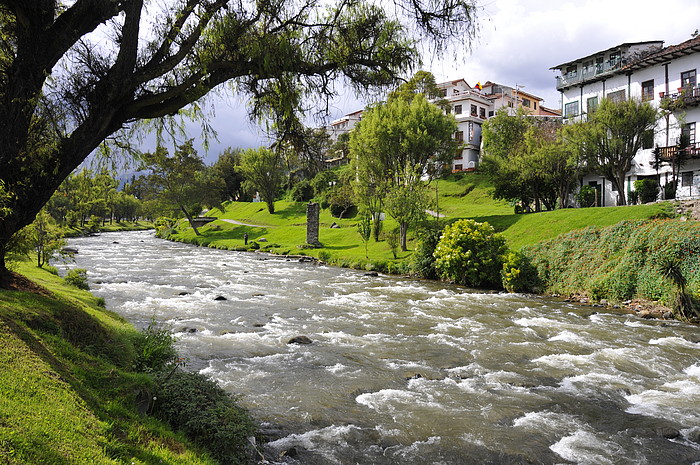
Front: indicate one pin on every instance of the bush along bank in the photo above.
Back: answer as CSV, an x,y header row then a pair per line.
x,y
656,260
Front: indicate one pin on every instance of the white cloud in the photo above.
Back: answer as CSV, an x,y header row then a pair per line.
x,y
519,41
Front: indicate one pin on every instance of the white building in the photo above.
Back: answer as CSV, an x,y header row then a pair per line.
x,y
649,72
470,108
344,124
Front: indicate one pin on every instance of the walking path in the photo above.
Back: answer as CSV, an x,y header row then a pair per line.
x,y
245,224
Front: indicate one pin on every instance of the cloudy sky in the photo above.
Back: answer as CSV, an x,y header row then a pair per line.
x,y
519,40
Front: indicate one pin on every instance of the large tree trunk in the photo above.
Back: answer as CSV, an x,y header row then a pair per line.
x,y
619,182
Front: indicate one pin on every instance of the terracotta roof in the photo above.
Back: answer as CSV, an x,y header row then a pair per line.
x,y
665,54
625,45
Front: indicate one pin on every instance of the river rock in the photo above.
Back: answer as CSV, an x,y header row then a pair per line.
x,y
262,239
299,340
220,297
258,294
668,432
373,274
188,330
184,293
69,250
694,436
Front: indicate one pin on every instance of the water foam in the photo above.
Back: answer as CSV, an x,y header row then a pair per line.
x,y
584,447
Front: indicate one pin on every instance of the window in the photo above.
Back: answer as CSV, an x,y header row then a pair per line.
x,y
490,113
471,131
688,132
571,71
647,90
459,167
458,109
571,109
614,59
617,96
482,113
473,110
587,67
459,136
687,179
648,139
688,79
526,102
599,64
444,92
534,105
591,104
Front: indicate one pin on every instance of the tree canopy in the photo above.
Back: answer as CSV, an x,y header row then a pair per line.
x,y
394,146
529,160
73,73
611,138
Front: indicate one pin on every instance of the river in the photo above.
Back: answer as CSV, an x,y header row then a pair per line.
x,y
404,371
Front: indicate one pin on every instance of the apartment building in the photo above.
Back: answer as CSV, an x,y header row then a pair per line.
x,y
653,73
470,108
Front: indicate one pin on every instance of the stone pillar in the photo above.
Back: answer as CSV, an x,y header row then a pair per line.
x,y
312,221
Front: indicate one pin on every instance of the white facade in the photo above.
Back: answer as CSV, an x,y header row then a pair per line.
x,y
470,108
649,72
343,125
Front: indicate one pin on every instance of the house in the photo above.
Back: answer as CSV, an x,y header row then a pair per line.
x,y
514,98
343,125
653,73
470,108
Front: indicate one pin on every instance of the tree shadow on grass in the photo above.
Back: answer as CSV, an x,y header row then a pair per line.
x,y
291,211
339,247
499,222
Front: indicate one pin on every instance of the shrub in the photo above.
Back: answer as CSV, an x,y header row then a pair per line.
x,y
392,240
302,191
155,350
586,196
633,198
77,277
471,254
670,190
202,410
518,274
647,189
423,259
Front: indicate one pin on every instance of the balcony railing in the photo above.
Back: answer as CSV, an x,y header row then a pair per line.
x,y
669,153
689,95
575,77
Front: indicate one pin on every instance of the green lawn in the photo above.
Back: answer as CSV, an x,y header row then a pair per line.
x,y
465,195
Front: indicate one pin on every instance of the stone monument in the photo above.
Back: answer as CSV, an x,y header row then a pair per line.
x,y
312,221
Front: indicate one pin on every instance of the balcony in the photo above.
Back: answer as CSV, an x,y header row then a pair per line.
x,y
669,153
690,96
589,73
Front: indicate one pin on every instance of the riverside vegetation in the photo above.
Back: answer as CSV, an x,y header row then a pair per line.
x,y
611,254
81,385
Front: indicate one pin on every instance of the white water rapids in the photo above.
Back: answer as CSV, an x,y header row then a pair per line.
x,y
403,371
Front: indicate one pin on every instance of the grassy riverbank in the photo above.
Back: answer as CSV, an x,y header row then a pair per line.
x,y
68,387
459,196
